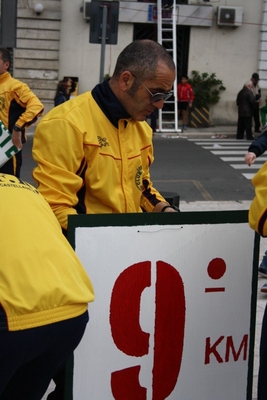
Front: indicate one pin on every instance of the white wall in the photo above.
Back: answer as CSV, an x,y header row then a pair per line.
x,y
80,58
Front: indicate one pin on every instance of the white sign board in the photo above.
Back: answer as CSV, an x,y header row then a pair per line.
x,y
7,148
171,316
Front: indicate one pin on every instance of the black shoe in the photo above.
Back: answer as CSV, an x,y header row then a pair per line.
x,y
239,138
251,138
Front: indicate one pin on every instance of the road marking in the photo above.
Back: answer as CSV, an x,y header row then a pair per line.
x,y
217,146
232,151
241,159
221,143
225,152
245,166
249,176
196,183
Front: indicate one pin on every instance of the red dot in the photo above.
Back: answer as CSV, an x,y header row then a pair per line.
x,y
216,268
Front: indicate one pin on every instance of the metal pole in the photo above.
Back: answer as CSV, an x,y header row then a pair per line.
x,y
103,42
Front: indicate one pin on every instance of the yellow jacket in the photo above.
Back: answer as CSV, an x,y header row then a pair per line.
x,y
18,104
88,165
41,279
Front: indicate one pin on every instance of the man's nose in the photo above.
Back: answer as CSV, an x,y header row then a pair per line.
x,y
159,104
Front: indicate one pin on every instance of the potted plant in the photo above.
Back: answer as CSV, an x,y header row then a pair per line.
x,y
207,89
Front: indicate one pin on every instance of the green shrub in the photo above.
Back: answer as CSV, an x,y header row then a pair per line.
x,y
206,88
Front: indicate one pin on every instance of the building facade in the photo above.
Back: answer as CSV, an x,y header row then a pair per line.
x,y
55,43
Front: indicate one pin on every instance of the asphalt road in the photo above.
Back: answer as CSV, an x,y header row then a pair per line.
x,y
182,167
196,174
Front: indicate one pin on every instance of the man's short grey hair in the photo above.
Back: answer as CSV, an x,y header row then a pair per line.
x,y
141,57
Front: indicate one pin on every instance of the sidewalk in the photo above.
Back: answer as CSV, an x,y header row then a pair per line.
x,y
219,132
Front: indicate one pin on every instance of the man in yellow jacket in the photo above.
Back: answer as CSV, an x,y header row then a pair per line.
x,y
94,151
44,293
19,108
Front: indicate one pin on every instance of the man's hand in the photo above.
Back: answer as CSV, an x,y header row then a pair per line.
x,y
16,139
163,207
250,158
169,209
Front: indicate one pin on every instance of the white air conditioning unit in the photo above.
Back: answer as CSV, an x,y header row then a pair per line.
x,y
229,16
86,9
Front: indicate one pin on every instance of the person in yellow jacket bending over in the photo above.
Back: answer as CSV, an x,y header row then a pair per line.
x,y
44,293
94,152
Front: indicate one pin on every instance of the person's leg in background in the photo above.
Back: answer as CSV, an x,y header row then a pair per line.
x,y
179,110
263,112
257,127
248,127
263,266
240,128
263,271
184,114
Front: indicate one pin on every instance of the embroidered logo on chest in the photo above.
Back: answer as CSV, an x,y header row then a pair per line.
x,y
102,142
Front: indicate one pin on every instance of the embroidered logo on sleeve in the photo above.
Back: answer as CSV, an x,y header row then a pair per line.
x,y
138,178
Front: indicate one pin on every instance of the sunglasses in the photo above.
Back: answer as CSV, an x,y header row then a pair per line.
x,y
154,96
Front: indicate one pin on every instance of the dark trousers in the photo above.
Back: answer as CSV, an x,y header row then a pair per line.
x,y
61,381
262,377
257,117
13,166
244,124
31,357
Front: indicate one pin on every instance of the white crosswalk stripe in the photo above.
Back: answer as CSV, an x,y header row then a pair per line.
x,y
248,176
242,166
241,159
222,152
232,152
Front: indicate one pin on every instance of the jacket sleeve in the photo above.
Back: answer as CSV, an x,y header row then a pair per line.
x,y
191,94
56,172
259,146
150,196
30,102
258,208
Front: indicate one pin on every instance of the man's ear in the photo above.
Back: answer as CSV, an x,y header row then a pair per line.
x,y
126,80
7,65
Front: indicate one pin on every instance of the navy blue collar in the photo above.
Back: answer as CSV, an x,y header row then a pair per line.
x,y
109,103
